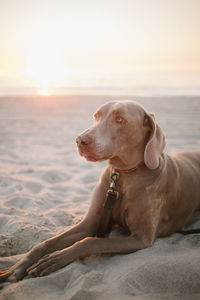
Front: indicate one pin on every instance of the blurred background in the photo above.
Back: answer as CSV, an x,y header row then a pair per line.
x,y
132,47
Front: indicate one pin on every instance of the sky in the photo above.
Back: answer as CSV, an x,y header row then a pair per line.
x,y
56,43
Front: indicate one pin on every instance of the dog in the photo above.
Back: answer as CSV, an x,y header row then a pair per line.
x,y
143,191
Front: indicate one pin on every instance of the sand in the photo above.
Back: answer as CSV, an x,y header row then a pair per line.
x,y
45,186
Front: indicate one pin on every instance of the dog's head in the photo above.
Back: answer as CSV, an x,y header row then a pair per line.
x,y
124,133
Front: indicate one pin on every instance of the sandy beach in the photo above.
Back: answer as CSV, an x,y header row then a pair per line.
x,y
45,186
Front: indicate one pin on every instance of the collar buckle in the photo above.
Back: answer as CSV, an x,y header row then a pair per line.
x,y
112,194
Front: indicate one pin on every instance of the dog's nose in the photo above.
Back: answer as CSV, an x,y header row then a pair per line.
x,y
83,140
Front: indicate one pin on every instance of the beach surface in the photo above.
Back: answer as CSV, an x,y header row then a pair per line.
x,y
45,187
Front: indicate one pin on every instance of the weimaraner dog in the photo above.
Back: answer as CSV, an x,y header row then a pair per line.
x,y
143,191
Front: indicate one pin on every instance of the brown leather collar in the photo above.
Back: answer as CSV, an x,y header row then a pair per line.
x,y
141,163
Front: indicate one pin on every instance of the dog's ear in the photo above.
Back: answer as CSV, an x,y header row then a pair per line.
x,y
155,143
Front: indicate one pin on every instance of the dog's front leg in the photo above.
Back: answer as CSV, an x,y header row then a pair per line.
x,y
66,239
86,228
89,246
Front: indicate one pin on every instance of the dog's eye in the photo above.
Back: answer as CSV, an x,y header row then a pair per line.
x,y
119,120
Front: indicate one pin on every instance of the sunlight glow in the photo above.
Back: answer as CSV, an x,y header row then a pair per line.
x,y
44,64
78,44
44,91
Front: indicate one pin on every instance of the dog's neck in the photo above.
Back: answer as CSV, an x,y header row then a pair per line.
x,y
127,163
133,169
119,166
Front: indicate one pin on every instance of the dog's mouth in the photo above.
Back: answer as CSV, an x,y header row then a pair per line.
x,y
90,156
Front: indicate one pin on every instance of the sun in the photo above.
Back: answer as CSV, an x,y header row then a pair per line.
x,y
44,88
44,64
44,92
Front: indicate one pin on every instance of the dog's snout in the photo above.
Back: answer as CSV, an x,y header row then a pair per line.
x,y
83,140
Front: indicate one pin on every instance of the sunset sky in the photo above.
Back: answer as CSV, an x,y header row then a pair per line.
x,y
81,42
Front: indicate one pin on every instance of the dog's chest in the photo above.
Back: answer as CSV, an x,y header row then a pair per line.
x,y
128,190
